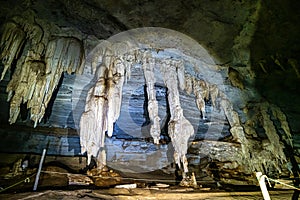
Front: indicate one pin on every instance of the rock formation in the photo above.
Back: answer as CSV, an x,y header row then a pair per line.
x,y
41,60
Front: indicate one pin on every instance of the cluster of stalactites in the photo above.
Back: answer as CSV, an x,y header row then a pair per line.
x,y
103,102
175,79
272,119
39,67
12,40
204,91
112,65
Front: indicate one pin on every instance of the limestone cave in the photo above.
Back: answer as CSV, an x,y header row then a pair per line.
x,y
149,99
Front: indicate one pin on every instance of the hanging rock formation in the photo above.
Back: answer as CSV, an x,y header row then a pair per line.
x,y
179,128
148,67
41,61
11,43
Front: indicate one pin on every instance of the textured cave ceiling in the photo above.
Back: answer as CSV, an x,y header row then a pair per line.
x,y
255,44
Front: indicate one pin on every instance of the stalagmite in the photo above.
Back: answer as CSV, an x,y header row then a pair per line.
x,y
148,67
92,134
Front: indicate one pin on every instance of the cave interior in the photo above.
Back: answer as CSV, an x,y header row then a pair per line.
x,y
149,94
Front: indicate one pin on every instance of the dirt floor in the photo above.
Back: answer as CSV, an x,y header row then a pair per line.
x,y
146,193
58,182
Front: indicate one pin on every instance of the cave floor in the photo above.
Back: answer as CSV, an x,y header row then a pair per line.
x,y
55,186
147,193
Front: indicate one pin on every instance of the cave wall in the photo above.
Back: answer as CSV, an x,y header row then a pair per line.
x,y
275,57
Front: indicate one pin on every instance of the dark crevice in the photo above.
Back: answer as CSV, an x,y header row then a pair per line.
x,y
48,110
164,129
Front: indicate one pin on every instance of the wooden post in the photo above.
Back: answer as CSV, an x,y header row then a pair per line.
x,y
262,184
39,170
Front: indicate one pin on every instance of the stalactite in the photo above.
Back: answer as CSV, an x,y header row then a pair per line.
x,y
114,95
235,78
231,115
35,80
11,43
92,134
201,92
62,54
199,98
118,78
127,55
275,146
293,62
40,62
188,84
181,74
213,92
179,128
277,113
236,128
98,53
148,67
103,105
25,85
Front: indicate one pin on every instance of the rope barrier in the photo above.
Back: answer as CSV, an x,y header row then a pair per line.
x,y
26,180
262,178
277,181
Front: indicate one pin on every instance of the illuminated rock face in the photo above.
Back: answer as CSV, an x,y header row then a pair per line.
x,y
103,101
175,73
